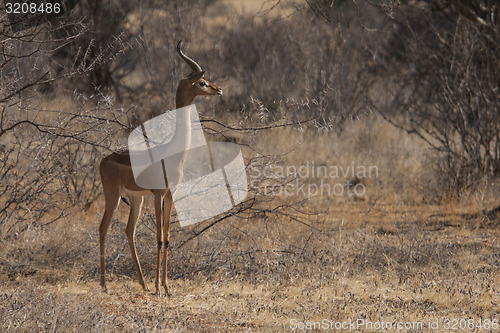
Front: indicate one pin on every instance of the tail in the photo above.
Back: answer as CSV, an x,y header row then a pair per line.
x,y
125,200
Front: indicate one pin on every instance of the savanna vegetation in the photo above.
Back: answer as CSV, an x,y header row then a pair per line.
x,y
371,135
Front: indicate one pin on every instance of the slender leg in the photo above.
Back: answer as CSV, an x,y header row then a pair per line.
x,y
135,212
112,200
159,237
167,212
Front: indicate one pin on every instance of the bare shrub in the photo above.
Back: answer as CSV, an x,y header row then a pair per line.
x,y
440,64
301,60
48,152
447,67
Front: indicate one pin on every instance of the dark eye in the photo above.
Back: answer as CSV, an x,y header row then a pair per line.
x,y
203,83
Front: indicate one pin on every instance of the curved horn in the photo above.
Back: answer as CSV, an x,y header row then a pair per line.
x,y
194,66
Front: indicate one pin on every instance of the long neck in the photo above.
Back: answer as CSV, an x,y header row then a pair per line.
x,y
182,136
183,96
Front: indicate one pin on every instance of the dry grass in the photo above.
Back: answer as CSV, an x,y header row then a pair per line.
x,y
409,267
388,255
394,253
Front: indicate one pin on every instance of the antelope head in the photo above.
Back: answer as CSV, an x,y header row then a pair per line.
x,y
195,84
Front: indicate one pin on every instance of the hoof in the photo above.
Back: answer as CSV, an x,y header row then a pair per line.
x,y
159,293
167,293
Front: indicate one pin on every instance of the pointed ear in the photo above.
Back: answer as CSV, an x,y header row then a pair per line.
x,y
196,76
